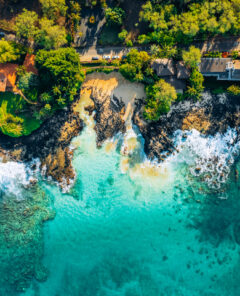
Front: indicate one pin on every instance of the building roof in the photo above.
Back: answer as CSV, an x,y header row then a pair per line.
x,y
8,75
182,71
214,65
178,84
163,67
29,64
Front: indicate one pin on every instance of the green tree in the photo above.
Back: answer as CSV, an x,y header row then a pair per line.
x,y
192,57
196,84
8,52
115,15
27,81
53,9
137,65
59,72
159,99
123,35
49,35
26,24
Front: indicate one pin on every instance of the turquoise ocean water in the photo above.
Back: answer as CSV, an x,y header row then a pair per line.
x,y
127,228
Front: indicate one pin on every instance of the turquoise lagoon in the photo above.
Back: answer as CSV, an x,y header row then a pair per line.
x,y
129,227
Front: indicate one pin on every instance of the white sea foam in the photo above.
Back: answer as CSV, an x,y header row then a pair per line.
x,y
14,176
208,157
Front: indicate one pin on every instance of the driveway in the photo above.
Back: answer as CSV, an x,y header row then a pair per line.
x,y
87,35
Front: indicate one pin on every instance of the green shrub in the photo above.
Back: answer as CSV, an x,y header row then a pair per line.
x,y
129,43
8,52
234,90
196,84
159,99
235,54
115,15
59,73
219,90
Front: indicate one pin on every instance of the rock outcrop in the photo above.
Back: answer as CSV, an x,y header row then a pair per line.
x,y
110,93
53,136
212,114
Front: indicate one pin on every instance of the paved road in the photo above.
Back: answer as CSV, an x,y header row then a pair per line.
x,y
215,44
219,44
87,54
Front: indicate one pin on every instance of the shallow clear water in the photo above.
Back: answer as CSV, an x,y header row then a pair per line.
x,y
142,232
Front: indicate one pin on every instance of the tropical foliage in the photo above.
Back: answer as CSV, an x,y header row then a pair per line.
x,y
159,99
60,75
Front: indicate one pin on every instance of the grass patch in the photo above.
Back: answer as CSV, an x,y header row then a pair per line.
x,y
109,35
15,118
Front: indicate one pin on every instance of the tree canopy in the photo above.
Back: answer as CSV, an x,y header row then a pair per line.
x,y
8,52
159,99
50,35
60,75
196,84
192,57
137,66
115,15
182,21
53,8
26,24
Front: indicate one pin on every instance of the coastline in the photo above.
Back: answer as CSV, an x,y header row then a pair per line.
x,y
110,95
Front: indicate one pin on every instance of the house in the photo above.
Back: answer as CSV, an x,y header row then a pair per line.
x,y
183,72
221,68
174,74
164,67
178,84
8,73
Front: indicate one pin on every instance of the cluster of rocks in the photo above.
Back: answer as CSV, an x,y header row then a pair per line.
x,y
108,118
50,143
212,114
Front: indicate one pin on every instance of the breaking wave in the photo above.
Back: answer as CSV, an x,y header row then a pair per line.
x,y
210,158
14,176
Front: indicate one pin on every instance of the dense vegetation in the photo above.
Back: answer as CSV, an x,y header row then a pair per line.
x,y
60,77
182,21
137,66
15,118
49,33
159,99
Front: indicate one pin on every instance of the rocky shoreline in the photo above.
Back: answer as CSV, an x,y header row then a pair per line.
x,y
210,115
110,95
50,144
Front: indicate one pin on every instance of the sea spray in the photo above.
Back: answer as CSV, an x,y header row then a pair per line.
x,y
208,157
16,175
